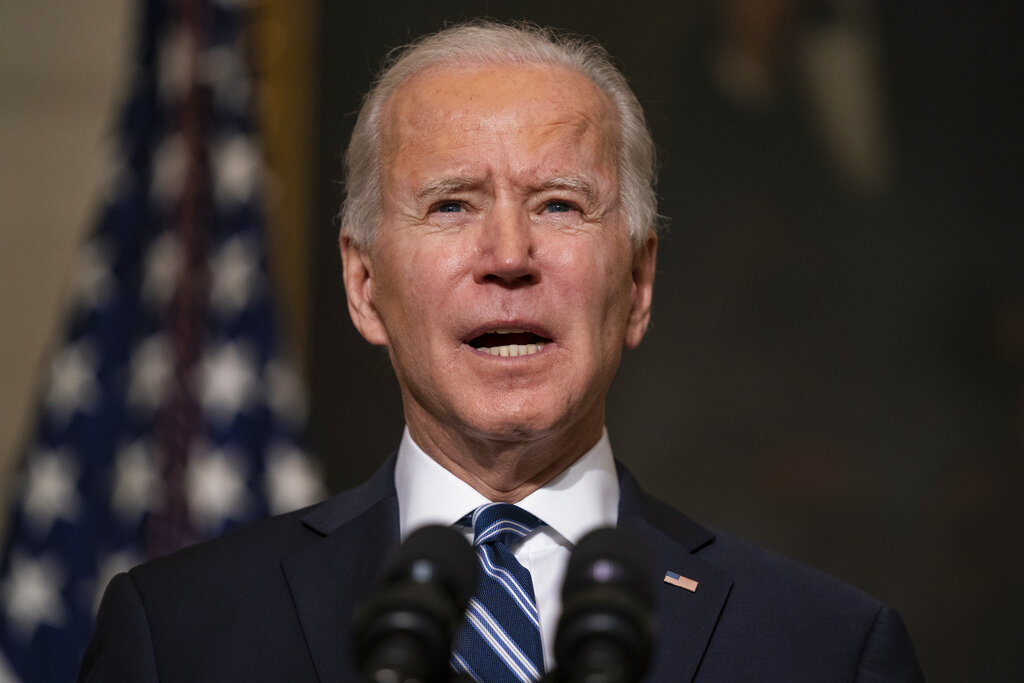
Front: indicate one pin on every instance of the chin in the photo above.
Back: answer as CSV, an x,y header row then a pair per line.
x,y
517,429
523,421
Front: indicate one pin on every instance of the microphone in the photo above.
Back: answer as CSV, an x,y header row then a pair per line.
x,y
606,630
403,631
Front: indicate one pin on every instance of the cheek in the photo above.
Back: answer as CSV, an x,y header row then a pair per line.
x,y
596,272
597,287
412,284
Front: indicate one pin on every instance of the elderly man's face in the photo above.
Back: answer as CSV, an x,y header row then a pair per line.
x,y
502,280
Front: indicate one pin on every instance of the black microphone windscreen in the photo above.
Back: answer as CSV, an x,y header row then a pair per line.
x,y
403,630
436,555
606,630
610,556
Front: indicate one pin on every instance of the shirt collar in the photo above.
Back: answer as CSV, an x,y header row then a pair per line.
x,y
583,497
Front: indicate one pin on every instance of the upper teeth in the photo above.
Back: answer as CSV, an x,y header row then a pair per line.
x,y
513,349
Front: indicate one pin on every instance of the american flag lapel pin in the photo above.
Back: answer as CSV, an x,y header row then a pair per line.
x,y
681,581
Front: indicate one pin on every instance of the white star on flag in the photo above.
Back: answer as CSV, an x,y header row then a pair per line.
x,y
226,73
51,490
150,372
176,60
291,480
285,393
215,486
73,386
228,382
31,594
234,276
93,280
237,166
170,168
136,485
163,268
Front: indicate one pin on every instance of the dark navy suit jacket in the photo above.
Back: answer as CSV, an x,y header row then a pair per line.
x,y
273,602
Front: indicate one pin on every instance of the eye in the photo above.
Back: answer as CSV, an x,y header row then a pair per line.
x,y
557,206
448,207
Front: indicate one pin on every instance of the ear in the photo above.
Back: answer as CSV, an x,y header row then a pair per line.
x,y
357,271
644,261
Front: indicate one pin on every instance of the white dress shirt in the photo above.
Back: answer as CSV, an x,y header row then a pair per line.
x,y
583,497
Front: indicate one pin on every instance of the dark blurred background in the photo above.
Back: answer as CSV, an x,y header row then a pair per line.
x,y
835,364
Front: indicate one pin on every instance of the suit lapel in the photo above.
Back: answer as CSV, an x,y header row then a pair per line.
x,y
328,578
685,620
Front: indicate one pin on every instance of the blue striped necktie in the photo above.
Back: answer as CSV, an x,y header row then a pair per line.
x,y
500,639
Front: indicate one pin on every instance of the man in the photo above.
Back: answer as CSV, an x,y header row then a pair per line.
x,y
499,242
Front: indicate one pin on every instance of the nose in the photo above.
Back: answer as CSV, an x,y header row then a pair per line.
x,y
506,249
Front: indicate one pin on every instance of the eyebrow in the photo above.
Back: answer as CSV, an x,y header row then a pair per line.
x,y
573,183
445,186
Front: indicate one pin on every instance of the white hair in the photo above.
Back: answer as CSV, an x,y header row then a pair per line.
x,y
489,42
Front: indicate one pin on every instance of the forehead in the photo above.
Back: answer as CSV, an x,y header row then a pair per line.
x,y
443,112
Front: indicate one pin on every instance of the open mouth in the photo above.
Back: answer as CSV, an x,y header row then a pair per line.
x,y
509,341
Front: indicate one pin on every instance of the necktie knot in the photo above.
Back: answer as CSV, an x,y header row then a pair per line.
x,y
502,523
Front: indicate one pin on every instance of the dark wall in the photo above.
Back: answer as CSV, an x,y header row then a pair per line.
x,y
834,368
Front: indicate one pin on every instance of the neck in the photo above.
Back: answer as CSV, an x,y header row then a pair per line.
x,y
506,469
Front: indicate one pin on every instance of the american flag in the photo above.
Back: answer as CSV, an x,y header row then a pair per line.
x,y
681,581
168,415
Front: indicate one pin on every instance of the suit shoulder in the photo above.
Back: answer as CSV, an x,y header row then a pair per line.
x,y
815,622
267,540
768,575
